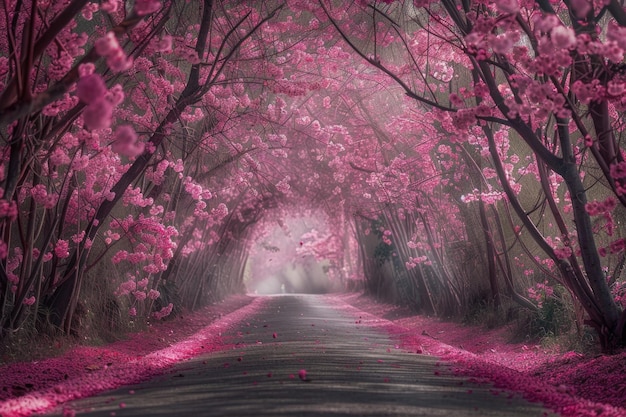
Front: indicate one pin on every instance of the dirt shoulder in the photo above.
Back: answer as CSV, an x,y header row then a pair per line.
x,y
20,378
597,378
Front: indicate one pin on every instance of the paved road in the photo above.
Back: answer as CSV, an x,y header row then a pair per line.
x,y
351,370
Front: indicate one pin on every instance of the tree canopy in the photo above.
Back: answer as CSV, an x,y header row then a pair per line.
x,y
451,153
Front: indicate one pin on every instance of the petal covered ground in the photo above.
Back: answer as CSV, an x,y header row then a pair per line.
x,y
569,383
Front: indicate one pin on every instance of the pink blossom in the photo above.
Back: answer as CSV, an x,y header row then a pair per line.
x,y
4,250
89,10
140,295
164,312
77,238
118,61
8,209
125,142
283,185
617,246
116,95
98,115
109,47
220,211
596,208
563,253
109,6
153,294
507,6
616,34
107,44
592,91
126,288
164,44
13,279
613,52
86,69
563,37
61,249
503,43
618,170
90,88
540,293
144,7
580,7
29,301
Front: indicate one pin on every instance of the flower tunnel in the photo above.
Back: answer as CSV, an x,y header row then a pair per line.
x,y
158,156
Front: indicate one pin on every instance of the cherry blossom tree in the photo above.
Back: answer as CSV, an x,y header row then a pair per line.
x,y
92,127
543,75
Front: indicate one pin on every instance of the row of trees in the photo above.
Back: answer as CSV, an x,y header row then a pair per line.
x,y
117,154
526,99
463,152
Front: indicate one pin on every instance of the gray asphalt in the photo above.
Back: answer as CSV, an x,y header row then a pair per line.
x,y
351,370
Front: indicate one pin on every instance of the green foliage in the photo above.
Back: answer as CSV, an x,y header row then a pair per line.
x,y
383,253
552,323
480,311
552,319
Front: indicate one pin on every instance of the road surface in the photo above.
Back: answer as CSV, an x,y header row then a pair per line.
x,y
351,370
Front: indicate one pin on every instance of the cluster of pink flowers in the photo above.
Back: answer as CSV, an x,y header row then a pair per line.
x,y
597,208
153,240
109,6
126,287
386,237
134,197
164,312
618,245
540,293
220,212
145,7
563,252
619,293
109,47
508,6
588,92
29,301
283,185
618,172
91,90
126,142
139,296
196,190
62,249
41,196
8,209
413,262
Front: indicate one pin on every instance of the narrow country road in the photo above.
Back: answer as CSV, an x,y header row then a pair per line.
x,y
351,370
